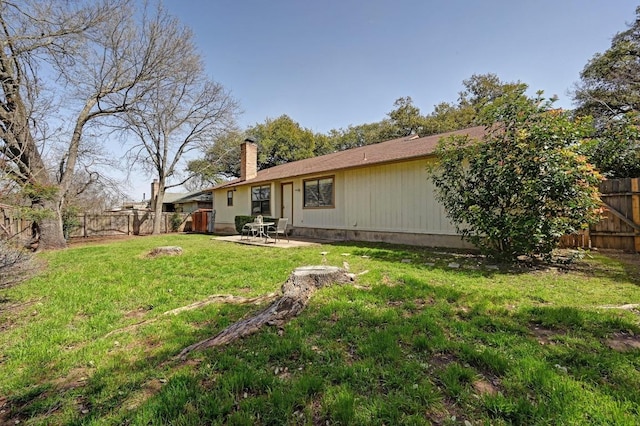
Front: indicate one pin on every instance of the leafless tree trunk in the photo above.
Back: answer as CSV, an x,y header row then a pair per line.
x,y
74,66
181,115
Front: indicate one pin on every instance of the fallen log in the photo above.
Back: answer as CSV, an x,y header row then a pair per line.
x,y
296,292
216,298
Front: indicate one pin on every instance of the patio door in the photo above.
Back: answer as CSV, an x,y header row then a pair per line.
x,y
286,209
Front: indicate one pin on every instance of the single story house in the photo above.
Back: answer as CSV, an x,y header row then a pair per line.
x,y
182,202
188,202
378,192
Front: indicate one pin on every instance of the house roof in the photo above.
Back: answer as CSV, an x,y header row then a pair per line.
x,y
401,149
177,198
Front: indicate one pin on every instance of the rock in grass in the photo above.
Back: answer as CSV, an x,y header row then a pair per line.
x,y
165,251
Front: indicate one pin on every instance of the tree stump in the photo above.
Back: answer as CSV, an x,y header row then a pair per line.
x,y
166,251
296,292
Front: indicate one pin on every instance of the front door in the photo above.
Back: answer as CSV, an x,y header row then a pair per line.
x,y
287,202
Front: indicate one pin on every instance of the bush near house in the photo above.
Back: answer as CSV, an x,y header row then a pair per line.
x,y
525,185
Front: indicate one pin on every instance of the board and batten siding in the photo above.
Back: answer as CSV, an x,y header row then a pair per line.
x,y
322,217
396,197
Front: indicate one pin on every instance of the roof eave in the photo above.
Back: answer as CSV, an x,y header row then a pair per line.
x,y
258,180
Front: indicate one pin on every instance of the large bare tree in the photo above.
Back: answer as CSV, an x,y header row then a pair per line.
x,y
183,114
71,66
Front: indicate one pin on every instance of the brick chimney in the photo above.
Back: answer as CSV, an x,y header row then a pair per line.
x,y
248,159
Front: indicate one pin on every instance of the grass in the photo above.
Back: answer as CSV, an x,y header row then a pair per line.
x,y
414,342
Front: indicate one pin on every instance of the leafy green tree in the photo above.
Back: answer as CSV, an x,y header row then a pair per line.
x,y
522,187
609,91
281,140
610,82
406,117
362,134
481,90
447,117
615,149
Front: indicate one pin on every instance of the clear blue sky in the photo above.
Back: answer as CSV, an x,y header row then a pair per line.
x,y
331,63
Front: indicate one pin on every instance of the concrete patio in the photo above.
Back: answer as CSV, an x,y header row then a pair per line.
x,y
282,243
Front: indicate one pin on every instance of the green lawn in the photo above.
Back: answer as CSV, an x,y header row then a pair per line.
x,y
414,341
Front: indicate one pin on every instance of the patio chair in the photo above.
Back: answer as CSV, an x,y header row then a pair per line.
x,y
279,229
249,230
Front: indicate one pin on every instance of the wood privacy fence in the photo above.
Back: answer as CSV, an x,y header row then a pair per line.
x,y
129,223
620,226
102,224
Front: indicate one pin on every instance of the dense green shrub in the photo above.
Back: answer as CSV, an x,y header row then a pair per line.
x,y
522,187
175,221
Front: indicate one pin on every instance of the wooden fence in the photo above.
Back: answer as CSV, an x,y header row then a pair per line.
x,y
103,224
620,227
125,223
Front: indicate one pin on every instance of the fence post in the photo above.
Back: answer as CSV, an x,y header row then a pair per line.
x,y
635,204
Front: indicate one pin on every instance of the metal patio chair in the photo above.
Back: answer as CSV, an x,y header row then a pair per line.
x,y
249,230
279,229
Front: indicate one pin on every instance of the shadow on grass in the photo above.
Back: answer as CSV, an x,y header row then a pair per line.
x,y
619,266
405,349
341,358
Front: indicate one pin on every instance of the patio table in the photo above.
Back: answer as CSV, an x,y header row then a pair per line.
x,y
261,227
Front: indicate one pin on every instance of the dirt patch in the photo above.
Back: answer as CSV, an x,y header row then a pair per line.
x,y
80,241
545,336
14,314
484,387
76,378
137,313
14,308
148,390
441,360
623,342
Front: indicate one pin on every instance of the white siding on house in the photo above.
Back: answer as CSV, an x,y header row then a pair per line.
x,y
325,217
397,197
387,198
225,215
